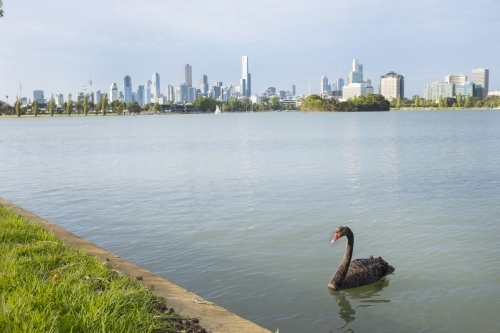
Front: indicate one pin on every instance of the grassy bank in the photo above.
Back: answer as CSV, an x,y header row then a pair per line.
x,y
45,286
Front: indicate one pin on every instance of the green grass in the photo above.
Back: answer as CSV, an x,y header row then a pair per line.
x,y
45,286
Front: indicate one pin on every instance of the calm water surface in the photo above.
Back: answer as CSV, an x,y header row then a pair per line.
x,y
241,208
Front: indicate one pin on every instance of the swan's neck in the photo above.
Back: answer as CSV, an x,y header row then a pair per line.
x,y
341,272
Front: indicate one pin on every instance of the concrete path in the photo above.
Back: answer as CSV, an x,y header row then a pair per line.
x,y
212,317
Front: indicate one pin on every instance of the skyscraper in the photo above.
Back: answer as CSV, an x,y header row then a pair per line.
x,y
324,84
340,83
113,92
170,93
481,76
182,93
155,88
147,97
140,95
188,78
356,75
204,85
293,89
98,97
127,82
392,86
246,81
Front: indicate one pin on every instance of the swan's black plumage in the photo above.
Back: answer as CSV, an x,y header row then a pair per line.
x,y
358,272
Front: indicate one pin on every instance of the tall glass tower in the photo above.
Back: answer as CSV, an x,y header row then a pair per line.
x,y
155,89
481,76
356,75
149,84
245,82
188,77
127,82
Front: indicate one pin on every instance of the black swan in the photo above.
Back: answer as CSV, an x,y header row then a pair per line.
x,y
358,272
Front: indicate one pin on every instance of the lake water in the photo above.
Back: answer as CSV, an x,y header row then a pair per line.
x,y
240,208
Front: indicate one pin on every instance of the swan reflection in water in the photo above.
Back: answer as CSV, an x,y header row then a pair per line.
x,y
361,297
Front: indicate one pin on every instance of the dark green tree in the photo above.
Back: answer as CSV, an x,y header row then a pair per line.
x,y
79,106
205,104
440,102
416,101
18,107
468,102
69,105
86,104
459,100
34,107
1,10
52,106
134,107
157,107
274,103
104,104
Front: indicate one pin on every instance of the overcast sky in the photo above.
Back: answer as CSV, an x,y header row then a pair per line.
x,y
57,45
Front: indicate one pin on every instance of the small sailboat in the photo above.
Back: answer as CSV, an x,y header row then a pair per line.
x,y
217,110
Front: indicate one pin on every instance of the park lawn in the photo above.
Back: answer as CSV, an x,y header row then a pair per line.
x,y
45,286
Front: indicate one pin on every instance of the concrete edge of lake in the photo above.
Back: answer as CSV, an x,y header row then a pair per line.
x,y
212,317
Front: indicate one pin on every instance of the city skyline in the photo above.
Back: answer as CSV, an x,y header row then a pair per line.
x,y
63,52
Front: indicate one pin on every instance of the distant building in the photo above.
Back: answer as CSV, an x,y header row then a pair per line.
x,y
324,86
271,91
481,76
215,92
204,85
356,75
80,97
355,90
191,94
432,91
188,78
170,93
456,78
293,89
182,93
113,93
127,82
255,99
140,95
155,87
38,96
340,83
147,98
245,81
494,93
467,88
98,97
59,99
392,86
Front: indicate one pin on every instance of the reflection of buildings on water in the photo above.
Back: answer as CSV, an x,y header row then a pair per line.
x,y
365,296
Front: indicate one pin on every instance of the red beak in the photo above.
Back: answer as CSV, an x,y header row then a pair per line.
x,y
335,237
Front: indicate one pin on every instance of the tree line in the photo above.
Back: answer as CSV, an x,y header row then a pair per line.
x,y
369,102
86,106
460,101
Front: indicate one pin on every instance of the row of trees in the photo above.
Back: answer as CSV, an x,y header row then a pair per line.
x,y
84,106
370,102
460,101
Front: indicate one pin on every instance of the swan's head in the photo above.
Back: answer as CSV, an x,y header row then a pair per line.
x,y
340,232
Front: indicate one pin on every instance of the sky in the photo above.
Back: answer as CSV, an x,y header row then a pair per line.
x,y
58,45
